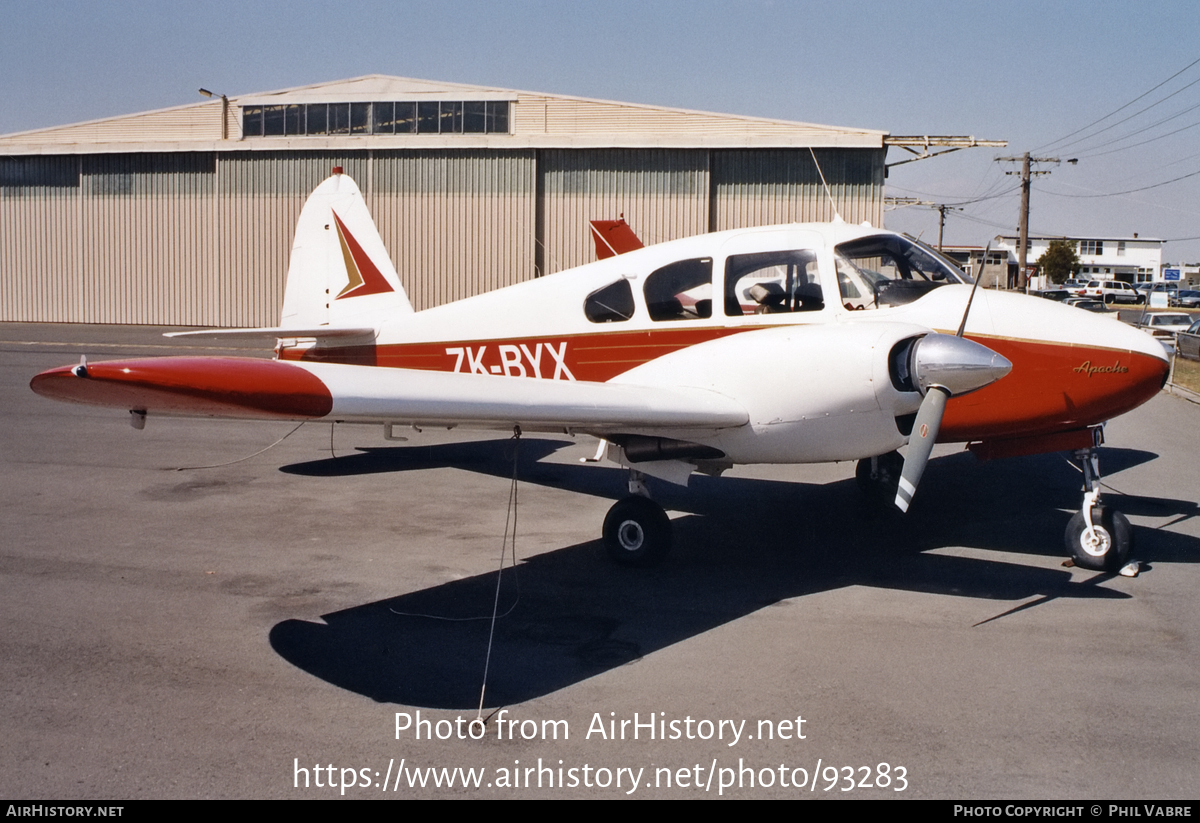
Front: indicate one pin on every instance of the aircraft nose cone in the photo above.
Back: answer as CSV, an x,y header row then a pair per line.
x,y
956,364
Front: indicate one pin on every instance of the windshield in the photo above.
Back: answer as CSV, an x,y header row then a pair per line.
x,y
890,270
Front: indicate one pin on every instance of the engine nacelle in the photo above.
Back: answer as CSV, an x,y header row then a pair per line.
x,y
814,393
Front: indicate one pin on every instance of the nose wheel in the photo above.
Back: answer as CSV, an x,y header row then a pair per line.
x,y
1098,537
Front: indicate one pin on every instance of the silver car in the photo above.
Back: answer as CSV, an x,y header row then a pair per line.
x,y
1188,342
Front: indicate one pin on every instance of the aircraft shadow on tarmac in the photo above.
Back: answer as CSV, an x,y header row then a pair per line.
x,y
746,545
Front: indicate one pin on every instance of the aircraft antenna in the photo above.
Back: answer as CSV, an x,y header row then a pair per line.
x,y
962,327
828,194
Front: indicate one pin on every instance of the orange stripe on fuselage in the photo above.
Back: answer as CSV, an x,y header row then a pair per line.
x,y
591,357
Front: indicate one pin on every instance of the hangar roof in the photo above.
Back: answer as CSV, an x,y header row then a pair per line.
x,y
516,120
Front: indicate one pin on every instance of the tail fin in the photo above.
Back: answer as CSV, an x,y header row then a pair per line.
x,y
340,273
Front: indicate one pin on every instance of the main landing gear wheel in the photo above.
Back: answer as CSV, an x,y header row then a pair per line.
x,y
1106,548
879,477
637,532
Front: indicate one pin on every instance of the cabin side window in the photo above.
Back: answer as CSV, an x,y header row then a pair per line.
x,y
610,304
680,291
772,282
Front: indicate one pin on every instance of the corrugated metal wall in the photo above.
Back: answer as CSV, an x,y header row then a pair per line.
x,y
145,235
457,223
762,187
663,194
40,273
195,238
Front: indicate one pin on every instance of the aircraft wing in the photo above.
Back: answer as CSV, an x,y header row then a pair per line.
x,y
251,388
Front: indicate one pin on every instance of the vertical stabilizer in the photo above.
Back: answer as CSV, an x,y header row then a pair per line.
x,y
340,274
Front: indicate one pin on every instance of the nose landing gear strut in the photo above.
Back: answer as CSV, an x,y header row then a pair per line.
x,y
1097,538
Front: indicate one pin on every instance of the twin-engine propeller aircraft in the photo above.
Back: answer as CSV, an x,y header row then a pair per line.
x,y
784,344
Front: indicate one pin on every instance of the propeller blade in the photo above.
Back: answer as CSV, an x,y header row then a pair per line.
x,y
920,444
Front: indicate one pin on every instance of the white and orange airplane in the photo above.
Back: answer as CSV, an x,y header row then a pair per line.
x,y
801,343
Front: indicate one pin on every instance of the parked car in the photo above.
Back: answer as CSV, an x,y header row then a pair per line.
x,y
1159,294
1188,343
1074,286
1165,325
1187,299
1087,304
1113,291
1055,294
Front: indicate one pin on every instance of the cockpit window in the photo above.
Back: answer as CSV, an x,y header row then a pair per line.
x,y
680,291
889,270
611,304
772,282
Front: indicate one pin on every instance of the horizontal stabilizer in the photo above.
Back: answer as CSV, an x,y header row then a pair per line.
x,y
272,333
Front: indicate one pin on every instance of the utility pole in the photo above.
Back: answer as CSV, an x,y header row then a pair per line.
x,y
1023,222
941,207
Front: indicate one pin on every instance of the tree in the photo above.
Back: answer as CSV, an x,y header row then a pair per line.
x,y
1059,261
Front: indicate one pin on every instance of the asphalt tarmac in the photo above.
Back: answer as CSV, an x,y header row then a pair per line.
x,y
310,621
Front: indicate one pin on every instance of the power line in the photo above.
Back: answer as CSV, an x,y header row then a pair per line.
x,y
1122,108
1117,193
980,199
1144,142
1130,117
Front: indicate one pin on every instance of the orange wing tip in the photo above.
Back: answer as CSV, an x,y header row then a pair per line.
x,y
192,386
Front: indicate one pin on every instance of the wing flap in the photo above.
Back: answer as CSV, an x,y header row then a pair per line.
x,y
414,396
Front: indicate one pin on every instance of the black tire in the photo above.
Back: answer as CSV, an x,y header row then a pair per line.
x,y
881,488
637,532
1114,540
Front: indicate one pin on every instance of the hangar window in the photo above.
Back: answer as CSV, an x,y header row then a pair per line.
x,y
385,117
339,118
393,118
475,118
772,282
680,291
427,118
317,118
611,304
282,120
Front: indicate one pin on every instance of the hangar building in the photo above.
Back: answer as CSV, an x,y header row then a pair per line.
x,y
185,216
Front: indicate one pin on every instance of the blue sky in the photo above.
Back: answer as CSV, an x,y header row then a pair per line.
x,y
1026,72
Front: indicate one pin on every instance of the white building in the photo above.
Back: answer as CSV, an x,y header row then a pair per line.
x,y
1130,259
